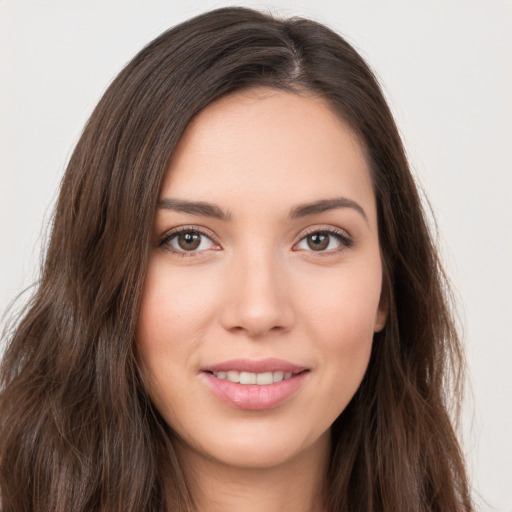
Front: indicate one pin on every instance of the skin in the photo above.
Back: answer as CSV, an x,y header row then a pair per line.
x,y
255,289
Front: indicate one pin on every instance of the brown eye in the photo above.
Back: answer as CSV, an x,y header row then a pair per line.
x,y
325,241
318,241
189,240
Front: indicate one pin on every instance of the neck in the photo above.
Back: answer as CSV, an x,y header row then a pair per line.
x,y
296,485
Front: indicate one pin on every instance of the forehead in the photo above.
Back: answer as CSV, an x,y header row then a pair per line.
x,y
269,145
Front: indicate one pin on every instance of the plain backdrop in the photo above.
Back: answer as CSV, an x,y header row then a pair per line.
x,y
446,69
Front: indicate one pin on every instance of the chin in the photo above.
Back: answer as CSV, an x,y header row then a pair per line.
x,y
259,450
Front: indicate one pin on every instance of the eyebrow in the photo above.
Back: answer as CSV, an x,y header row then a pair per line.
x,y
324,205
202,208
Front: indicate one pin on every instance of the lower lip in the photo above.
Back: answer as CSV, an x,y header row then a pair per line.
x,y
252,396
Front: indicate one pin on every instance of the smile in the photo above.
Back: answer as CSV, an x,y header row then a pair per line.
x,y
255,385
260,379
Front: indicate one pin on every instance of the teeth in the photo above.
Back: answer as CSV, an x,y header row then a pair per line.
x,y
262,379
233,376
247,378
278,376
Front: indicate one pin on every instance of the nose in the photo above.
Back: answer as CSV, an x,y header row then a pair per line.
x,y
257,297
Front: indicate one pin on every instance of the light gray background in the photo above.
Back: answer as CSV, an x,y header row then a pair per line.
x,y
446,69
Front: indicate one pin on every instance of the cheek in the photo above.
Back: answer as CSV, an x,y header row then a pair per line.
x,y
345,336
176,306
340,318
175,312
345,304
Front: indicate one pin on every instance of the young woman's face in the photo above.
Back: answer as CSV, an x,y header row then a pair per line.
x,y
263,288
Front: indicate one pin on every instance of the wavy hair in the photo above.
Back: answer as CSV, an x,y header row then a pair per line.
x,y
77,428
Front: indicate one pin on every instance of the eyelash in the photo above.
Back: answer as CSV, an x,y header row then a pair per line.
x,y
167,238
345,240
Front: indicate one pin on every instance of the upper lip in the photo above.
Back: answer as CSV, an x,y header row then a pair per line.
x,y
254,366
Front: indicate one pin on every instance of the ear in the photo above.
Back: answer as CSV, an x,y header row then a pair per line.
x,y
383,310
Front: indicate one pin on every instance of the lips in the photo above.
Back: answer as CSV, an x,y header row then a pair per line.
x,y
254,385
254,366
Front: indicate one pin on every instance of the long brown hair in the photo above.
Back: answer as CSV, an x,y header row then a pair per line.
x,y
77,429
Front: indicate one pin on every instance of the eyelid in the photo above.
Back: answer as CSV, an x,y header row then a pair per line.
x,y
171,233
346,240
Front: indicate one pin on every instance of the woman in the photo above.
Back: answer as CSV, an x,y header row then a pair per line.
x,y
241,305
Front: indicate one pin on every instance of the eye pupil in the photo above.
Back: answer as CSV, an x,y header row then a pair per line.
x,y
189,240
318,241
